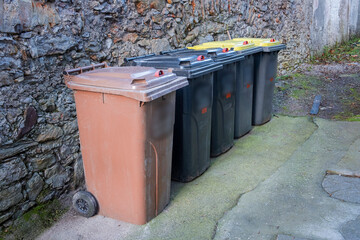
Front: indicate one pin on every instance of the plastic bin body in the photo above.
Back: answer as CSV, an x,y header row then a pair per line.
x,y
265,75
245,74
223,116
126,168
192,129
224,95
126,143
244,96
192,133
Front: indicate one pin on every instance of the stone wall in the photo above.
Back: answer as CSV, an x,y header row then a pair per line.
x,y
40,155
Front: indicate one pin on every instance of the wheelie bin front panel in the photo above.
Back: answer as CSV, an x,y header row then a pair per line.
x,y
126,118
265,75
192,133
245,73
244,82
222,129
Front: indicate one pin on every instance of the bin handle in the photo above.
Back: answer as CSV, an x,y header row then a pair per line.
x,y
200,58
87,68
159,73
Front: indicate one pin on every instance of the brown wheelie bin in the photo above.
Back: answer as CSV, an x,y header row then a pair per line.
x,y
126,121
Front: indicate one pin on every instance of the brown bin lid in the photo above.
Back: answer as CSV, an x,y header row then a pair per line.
x,y
141,83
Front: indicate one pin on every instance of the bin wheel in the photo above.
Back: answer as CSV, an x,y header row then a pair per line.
x,y
85,204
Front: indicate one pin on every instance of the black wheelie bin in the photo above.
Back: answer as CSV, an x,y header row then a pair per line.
x,y
193,109
265,74
222,124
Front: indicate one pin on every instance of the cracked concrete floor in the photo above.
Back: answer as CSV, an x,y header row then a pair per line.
x,y
268,184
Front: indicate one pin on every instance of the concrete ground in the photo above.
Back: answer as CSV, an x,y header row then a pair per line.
x,y
268,186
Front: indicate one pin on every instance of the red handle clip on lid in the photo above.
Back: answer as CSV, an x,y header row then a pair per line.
x,y
159,73
225,50
272,40
245,43
200,58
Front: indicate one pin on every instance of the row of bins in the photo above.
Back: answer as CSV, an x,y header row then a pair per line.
x,y
136,134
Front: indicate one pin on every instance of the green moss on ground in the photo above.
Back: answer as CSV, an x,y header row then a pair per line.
x,y
196,207
351,104
35,221
299,85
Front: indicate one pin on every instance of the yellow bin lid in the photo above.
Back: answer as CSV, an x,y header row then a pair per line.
x,y
235,45
261,42
204,47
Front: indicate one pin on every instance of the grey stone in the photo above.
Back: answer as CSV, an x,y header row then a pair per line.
x,y
93,47
264,8
50,132
287,237
207,38
79,178
27,100
34,186
192,35
343,188
7,39
57,176
65,151
8,63
144,42
7,223
6,216
21,15
70,127
86,35
49,104
48,146
70,159
5,79
45,196
14,149
12,171
54,117
20,79
10,197
26,35
159,45
42,162
13,115
351,230
99,7
45,46
83,63
24,207
108,43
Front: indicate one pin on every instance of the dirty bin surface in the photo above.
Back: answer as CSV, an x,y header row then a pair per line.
x,y
126,118
192,132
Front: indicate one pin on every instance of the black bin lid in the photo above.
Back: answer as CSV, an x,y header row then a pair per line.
x,y
221,55
191,65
